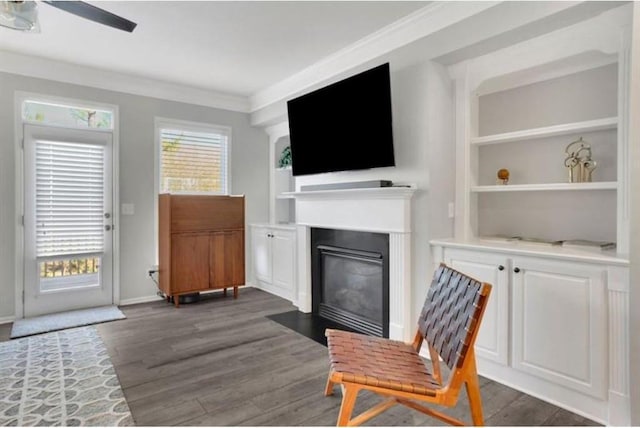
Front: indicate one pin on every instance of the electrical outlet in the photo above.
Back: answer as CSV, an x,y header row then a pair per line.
x,y
452,210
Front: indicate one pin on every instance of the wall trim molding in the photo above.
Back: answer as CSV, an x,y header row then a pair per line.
x,y
42,68
143,299
7,320
421,23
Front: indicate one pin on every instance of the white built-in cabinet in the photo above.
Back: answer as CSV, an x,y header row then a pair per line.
x,y
273,254
558,312
546,329
557,322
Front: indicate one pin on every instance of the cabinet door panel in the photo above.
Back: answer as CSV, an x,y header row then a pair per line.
x,y
217,260
492,341
261,252
234,249
189,262
283,260
559,323
226,259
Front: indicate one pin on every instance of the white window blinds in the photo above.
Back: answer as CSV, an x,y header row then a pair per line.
x,y
193,162
69,198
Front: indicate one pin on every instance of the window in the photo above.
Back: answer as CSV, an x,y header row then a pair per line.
x,y
66,115
193,159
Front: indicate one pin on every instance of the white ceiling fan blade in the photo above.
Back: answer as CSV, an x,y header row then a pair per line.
x,y
19,15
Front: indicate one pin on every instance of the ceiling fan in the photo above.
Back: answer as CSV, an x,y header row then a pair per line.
x,y
23,15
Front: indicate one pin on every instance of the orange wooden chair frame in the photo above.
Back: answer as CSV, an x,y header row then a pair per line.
x,y
449,292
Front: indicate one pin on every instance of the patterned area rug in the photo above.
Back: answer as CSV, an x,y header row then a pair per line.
x,y
63,378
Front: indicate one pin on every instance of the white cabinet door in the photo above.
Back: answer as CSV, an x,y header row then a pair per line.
x,y
492,341
261,248
559,323
283,251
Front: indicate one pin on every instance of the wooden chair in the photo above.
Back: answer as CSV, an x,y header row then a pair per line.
x,y
449,323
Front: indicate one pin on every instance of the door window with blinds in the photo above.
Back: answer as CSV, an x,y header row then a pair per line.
x,y
193,159
69,213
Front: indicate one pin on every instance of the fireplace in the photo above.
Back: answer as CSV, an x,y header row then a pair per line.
x,y
385,210
350,279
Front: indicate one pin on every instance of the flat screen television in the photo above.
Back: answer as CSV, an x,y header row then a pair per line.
x,y
343,126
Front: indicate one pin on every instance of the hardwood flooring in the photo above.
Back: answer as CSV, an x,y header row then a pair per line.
x,y
221,362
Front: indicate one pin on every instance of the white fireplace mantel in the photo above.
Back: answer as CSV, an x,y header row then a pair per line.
x,y
382,210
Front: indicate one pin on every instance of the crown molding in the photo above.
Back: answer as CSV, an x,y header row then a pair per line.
x,y
423,22
596,39
11,62
278,131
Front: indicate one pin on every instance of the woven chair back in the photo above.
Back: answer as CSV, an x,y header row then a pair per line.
x,y
451,314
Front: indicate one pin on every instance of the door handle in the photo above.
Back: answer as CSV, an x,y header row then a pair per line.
x,y
107,215
107,227
500,267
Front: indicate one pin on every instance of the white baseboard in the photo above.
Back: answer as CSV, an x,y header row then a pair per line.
x,y
136,300
152,298
7,320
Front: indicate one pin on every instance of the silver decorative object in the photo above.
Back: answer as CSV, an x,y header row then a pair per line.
x,y
579,162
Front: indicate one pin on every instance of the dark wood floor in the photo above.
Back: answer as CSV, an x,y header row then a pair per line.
x,y
221,362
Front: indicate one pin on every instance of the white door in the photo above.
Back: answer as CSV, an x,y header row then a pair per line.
x,y
282,247
261,245
493,338
560,322
67,219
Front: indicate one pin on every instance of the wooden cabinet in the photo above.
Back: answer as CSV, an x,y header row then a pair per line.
x,y
201,243
273,250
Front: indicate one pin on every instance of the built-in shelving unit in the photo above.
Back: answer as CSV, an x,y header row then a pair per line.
x,y
548,131
281,204
539,201
603,185
522,109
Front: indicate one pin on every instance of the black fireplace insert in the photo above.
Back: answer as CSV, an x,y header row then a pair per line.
x,y
350,279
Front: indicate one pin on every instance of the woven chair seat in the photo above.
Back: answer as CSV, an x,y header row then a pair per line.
x,y
379,362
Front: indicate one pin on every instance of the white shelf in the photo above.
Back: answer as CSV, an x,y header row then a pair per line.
x,y
548,131
286,195
609,257
603,185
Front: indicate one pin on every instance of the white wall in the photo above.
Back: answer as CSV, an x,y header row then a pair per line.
x,y
422,99
591,94
249,174
634,153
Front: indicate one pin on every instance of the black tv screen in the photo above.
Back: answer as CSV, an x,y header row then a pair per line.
x,y
343,126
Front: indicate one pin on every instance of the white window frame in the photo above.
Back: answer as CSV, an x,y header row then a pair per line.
x,y
67,102
19,98
178,124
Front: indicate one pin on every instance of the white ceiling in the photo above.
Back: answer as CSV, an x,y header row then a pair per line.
x,y
232,47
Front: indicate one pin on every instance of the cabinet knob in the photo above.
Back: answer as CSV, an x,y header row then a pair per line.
x,y
500,267
516,269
